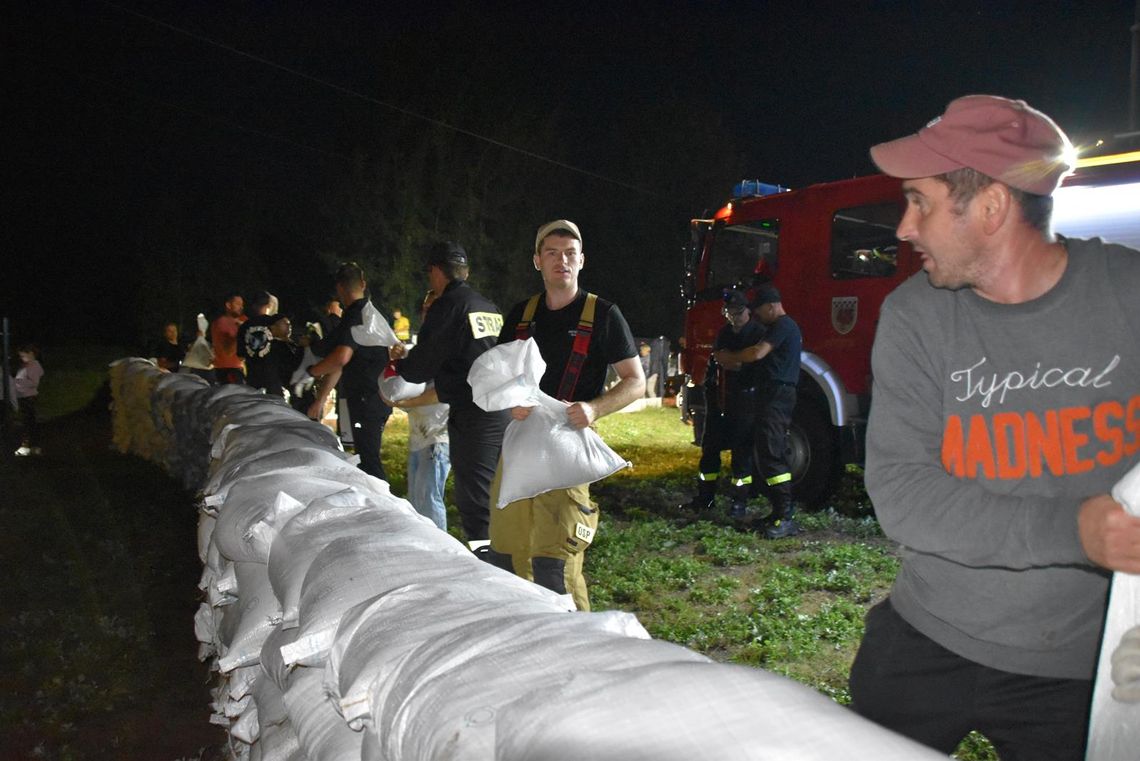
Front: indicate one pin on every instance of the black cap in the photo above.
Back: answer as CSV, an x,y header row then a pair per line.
x,y
735,300
765,294
447,252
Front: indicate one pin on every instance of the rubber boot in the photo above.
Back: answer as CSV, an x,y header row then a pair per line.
x,y
740,495
703,500
782,522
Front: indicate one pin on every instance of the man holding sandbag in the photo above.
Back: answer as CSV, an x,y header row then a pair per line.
x,y
579,336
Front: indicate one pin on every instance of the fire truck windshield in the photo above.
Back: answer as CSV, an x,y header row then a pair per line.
x,y
739,252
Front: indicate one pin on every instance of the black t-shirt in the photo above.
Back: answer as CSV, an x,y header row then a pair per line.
x,y
254,336
172,353
783,362
749,374
361,375
554,332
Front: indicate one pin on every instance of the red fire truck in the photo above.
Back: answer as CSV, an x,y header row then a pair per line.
x,y
832,252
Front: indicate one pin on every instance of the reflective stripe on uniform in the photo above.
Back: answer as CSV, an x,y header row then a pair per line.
x,y
782,478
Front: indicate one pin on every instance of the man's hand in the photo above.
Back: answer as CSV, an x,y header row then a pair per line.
x,y
397,351
1109,535
520,413
580,414
314,411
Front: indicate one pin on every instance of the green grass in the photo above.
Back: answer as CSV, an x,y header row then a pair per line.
x,y
73,376
793,606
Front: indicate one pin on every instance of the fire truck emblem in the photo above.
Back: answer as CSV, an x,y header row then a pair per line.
x,y
844,313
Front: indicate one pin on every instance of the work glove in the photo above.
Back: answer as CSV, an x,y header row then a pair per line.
x,y
1126,667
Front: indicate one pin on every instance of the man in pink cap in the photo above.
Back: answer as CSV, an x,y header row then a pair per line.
x,y
1006,405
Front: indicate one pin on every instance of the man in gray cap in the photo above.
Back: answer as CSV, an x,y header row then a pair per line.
x,y
1007,391
460,325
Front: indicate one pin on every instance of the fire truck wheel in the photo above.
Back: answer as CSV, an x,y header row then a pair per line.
x,y
813,454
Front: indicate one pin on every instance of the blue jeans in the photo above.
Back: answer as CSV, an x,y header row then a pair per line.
x,y
427,475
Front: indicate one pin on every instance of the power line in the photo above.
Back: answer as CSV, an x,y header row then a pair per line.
x,y
375,101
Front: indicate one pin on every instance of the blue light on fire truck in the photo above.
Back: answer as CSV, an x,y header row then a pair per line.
x,y
747,188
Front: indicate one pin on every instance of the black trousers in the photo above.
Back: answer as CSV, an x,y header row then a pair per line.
x,y
369,415
475,437
907,682
732,429
29,420
777,402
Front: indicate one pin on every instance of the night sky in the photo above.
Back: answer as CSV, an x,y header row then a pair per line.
x,y
158,152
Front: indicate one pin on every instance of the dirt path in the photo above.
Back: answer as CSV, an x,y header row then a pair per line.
x,y
98,650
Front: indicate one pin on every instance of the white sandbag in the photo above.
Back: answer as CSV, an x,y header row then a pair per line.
x,y
277,743
297,463
374,635
257,613
349,512
251,442
272,665
267,695
324,736
206,629
349,571
255,509
396,389
690,711
317,463
544,452
206,524
1114,724
246,728
507,376
373,329
442,699
240,681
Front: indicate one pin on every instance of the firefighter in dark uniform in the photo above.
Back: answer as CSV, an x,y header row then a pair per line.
x,y
731,394
780,350
459,326
354,369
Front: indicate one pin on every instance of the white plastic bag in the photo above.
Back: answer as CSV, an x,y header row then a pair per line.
x,y
374,330
396,389
1114,725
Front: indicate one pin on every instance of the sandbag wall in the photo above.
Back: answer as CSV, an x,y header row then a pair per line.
x,y
343,625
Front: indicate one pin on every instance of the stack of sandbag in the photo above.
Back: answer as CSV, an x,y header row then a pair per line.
x,y
341,624
133,381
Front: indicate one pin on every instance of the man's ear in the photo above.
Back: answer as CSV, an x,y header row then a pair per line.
x,y
995,204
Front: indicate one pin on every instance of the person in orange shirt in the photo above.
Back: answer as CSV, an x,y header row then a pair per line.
x,y
228,366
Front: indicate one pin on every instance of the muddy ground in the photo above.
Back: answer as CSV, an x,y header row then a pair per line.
x,y
101,571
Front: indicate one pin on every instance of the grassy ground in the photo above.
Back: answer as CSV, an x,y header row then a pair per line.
x,y
98,653
793,606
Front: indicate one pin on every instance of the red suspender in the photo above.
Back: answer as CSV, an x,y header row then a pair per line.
x,y
578,351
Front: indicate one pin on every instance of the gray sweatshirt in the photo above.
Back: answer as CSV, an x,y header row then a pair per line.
x,y
991,423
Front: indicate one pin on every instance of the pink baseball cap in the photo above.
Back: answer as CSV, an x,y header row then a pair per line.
x,y
1001,138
